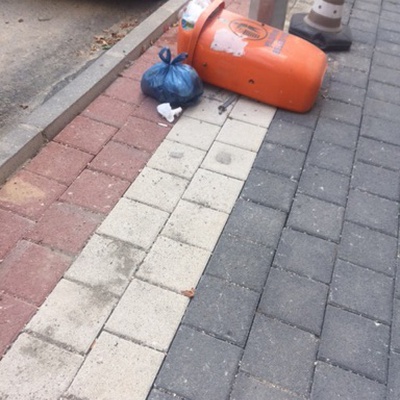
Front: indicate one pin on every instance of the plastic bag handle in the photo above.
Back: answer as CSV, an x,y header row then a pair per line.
x,y
179,58
165,55
198,26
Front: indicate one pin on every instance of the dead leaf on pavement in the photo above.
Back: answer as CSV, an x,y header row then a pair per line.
x,y
188,293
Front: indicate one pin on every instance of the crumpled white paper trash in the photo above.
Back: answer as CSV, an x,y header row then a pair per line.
x,y
167,112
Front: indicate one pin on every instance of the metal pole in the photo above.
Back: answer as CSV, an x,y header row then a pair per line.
x,y
270,12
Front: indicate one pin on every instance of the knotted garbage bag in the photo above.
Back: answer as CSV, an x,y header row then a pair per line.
x,y
172,81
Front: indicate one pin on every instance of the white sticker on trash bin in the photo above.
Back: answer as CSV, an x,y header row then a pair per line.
x,y
228,42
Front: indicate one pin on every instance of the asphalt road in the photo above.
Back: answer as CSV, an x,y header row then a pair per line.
x,y
45,43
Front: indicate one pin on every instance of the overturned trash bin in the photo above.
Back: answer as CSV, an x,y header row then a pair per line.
x,y
253,59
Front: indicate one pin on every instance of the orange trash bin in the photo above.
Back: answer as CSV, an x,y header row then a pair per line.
x,y
253,59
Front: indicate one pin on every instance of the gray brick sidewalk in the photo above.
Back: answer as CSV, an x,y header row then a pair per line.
x,y
300,299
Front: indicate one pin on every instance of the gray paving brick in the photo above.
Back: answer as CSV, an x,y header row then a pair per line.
x,y
324,184
296,300
222,309
393,385
385,75
388,25
347,94
280,160
355,342
376,180
269,189
351,76
372,211
247,387
378,153
308,119
363,25
388,15
380,129
198,366
332,383
256,223
364,5
391,7
386,60
280,354
289,134
36,370
159,395
316,217
365,15
362,49
336,132
395,342
241,262
348,59
362,290
368,248
384,92
330,156
341,112
388,35
306,255
382,109
363,36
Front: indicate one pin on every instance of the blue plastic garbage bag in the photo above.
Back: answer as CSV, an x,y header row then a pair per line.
x,y
172,81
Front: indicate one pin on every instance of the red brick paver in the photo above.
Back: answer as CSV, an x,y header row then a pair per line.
x,y
59,162
127,90
14,314
120,160
31,271
65,227
86,134
12,228
142,134
96,191
29,194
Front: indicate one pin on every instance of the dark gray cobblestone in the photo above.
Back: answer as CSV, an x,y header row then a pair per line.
x,y
295,300
376,180
289,134
270,190
356,343
247,387
372,211
306,255
316,217
299,299
222,309
271,344
240,261
330,156
331,383
362,290
324,184
336,132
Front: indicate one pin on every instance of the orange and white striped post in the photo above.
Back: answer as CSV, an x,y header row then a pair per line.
x,y
322,26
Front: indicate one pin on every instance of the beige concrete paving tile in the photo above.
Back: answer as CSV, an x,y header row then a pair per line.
x,y
213,190
194,133
73,315
229,160
116,369
106,264
174,265
157,188
253,112
177,159
196,225
36,370
242,134
134,223
148,314
217,93
207,110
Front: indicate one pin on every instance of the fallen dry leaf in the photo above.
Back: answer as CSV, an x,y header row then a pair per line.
x,y
188,293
